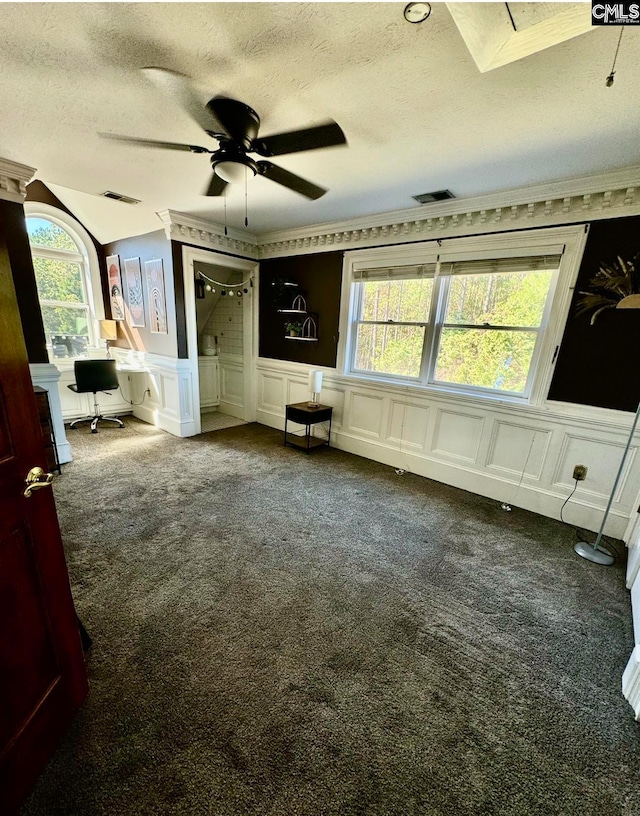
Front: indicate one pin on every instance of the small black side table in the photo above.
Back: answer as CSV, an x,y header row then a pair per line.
x,y
301,413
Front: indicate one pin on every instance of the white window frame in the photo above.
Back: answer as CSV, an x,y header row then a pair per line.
x,y
569,242
86,257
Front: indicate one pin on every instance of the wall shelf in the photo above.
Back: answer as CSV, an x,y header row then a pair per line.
x,y
303,339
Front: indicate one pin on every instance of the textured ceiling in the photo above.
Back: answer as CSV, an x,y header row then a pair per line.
x,y
416,111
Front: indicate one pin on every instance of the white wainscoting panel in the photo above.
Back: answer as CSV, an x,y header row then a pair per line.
x,y
47,376
366,414
476,445
515,448
457,434
602,458
631,676
232,385
407,425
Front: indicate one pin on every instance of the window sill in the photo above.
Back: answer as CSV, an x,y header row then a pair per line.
x,y
409,386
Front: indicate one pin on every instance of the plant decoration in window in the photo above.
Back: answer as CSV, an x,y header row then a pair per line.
x,y
615,285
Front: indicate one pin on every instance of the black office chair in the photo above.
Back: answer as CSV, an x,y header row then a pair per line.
x,y
93,376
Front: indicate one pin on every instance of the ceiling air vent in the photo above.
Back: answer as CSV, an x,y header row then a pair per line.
x,y
119,197
430,198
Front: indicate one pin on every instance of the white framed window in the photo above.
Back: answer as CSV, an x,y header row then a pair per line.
x,y
68,281
480,316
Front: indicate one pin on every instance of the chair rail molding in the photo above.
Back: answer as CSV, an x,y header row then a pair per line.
x,y
14,178
207,234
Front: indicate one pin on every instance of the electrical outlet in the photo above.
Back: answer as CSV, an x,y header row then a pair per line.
x,y
580,473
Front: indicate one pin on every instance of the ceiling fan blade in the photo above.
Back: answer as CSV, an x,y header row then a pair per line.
x,y
290,180
180,87
294,141
114,137
216,186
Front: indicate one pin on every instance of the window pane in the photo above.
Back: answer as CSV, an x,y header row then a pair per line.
x,y
503,299
389,349
406,301
489,358
58,280
67,330
45,233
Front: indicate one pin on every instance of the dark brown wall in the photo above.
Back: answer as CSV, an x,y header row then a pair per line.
x,y
319,278
14,232
147,247
598,365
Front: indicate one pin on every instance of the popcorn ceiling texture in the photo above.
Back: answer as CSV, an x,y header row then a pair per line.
x,y
417,113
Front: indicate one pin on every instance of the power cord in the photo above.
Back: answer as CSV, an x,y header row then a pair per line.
x,y
144,396
582,535
566,501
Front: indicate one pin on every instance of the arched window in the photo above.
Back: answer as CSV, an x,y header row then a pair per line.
x,y
68,281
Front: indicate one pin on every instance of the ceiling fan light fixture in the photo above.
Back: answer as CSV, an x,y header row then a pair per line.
x,y
232,172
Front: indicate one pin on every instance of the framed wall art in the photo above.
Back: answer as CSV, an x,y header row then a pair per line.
x,y
156,296
135,297
115,287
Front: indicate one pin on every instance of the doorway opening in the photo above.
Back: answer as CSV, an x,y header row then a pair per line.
x,y
220,305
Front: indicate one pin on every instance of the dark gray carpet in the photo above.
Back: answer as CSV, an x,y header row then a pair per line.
x,y
278,634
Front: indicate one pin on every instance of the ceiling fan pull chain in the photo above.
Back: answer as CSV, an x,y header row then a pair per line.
x,y
225,212
246,218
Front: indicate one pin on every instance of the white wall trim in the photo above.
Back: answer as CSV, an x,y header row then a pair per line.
x,y
472,444
47,376
248,268
207,234
14,178
569,201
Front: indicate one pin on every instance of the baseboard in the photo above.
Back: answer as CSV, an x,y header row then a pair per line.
x,y
536,499
229,409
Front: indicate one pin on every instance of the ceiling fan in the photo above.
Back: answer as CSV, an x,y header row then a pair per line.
x,y
235,126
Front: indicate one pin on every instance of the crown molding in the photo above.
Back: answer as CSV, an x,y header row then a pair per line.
x,y
571,201
589,198
207,234
14,178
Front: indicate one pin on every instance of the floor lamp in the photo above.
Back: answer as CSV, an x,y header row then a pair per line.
x,y
594,552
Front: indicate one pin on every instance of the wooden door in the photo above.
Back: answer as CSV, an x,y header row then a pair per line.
x,y
42,673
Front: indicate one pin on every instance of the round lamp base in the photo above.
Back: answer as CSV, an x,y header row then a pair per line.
x,y
597,555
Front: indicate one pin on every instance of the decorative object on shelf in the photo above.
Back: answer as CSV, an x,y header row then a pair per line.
x,y
315,386
115,287
299,306
615,285
294,329
133,279
307,331
108,332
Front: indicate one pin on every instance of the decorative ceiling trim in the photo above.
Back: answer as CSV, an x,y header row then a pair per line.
x,y
573,201
14,178
589,198
208,235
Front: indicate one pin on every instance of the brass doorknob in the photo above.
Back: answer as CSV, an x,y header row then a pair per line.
x,y
37,479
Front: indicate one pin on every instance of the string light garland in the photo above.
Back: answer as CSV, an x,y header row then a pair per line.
x,y
232,289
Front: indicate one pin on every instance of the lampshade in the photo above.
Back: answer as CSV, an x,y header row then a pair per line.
x,y
315,382
108,330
